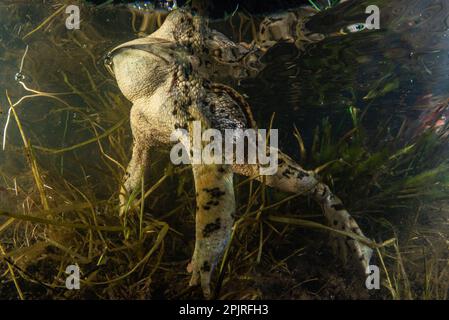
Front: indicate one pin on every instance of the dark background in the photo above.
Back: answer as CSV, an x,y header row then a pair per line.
x,y
216,8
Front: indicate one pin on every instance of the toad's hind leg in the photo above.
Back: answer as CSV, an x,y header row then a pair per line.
x,y
290,177
214,218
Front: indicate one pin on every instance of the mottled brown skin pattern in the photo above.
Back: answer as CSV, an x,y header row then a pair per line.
x,y
166,78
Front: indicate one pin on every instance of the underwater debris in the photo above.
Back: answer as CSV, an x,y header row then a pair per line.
x,y
19,77
154,5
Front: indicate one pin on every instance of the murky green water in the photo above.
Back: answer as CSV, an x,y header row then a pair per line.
x,y
396,77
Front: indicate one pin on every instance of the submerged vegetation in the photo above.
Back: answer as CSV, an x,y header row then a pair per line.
x,y
68,142
329,4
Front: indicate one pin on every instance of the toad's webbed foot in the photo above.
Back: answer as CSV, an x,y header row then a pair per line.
x,y
215,207
339,218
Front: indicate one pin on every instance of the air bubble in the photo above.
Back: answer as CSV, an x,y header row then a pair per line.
x,y
19,77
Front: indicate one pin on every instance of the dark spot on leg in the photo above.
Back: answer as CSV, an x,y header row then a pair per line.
x,y
286,173
338,207
302,174
324,192
215,192
205,267
211,227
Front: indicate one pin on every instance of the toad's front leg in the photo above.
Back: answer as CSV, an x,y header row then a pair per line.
x,y
215,208
139,163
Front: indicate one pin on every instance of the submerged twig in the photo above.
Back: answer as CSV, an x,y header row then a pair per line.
x,y
11,272
43,23
30,156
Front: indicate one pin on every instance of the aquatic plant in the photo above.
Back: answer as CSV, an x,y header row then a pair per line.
x,y
63,190
329,4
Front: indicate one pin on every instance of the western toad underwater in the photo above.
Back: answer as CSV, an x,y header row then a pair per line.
x,y
167,76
